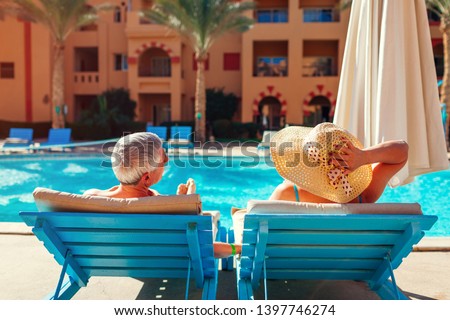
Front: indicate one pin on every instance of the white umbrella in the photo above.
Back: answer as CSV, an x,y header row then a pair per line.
x,y
388,86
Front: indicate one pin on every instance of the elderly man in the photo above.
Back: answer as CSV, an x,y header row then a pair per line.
x,y
138,163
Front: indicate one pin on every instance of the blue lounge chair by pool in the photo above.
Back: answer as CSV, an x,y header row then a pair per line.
x,y
127,245
58,137
180,136
19,137
161,132
363,247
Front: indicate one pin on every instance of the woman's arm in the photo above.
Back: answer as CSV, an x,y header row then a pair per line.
x,y
387,159
390,152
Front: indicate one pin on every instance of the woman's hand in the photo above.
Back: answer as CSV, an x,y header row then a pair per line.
x,y
347,156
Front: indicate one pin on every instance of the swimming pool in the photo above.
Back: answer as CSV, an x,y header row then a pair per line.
x,y
222,184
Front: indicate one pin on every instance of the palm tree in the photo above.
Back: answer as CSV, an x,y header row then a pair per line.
x,y
61,18
442,9
201,23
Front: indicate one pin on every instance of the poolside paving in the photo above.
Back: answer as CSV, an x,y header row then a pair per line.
x,y
28,271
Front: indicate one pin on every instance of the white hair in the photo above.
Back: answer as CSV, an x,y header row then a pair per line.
x,y
134,155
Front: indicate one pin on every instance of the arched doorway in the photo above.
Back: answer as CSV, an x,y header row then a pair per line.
x,y
270,117
154,62
317,111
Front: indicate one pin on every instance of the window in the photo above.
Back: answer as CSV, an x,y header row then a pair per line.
x,y
231,61
86,59
117,15
272,15
271,67
120,62
319,67
6,70
160,67
320,15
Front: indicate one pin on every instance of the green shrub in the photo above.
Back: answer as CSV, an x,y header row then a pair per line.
x,y
225,129
88,132
116,99
251,128
111,114
222,128
220,105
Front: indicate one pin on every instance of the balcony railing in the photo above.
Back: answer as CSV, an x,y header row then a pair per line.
x,y
278,15
319,67
271,67
86,77
321,15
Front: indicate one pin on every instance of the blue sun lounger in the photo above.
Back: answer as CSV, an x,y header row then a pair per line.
x,y
19,137
133,245
161,132
180,136
58,137
363,247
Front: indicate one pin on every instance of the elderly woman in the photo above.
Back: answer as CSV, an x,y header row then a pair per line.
x,y
138,163
328,164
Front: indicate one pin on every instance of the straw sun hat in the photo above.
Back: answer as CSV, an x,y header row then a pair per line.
x,y
301,155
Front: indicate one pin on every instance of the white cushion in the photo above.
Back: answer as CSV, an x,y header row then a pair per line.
x,y
280,206
291,207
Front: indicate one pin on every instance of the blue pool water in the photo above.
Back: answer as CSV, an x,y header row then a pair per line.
x,y
221,184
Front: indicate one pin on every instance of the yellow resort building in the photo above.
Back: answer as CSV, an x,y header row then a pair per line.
x,y
284,70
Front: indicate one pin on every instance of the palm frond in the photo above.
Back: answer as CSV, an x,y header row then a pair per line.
x,y
173,16
441,8
436,6
231,19
23,9
201,22
61,17
86,15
